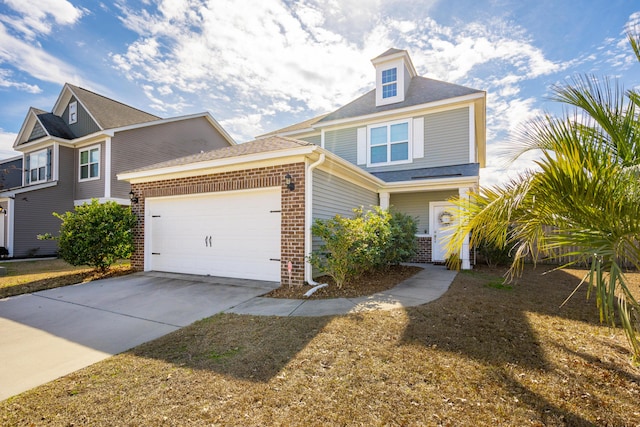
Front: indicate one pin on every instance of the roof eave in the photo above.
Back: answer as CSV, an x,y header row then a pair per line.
x,y
162,172
448,183
396,111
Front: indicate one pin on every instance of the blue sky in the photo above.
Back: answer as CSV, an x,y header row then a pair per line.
x,y
258,65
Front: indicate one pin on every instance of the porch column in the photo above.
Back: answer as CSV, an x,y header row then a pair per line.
x,y
384,199
464,255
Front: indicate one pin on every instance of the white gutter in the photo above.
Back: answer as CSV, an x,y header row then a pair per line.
x,y
308,200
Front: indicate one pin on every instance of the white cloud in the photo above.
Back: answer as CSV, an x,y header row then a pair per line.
x,y
6,143
34,61
37,17
257,65
7,81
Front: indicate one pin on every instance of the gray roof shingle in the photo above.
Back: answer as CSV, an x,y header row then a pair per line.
x,y
469,169
55,126
422,90
108,113
273,143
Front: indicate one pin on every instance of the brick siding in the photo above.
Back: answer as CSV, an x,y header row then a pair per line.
x,y
424,250
292,206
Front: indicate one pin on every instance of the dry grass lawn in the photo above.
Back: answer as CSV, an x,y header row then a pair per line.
x,y
37,275
482,355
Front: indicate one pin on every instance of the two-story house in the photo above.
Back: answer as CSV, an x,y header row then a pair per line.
x,y
245,211
73,154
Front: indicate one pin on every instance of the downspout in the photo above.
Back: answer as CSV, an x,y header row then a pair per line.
x,y
308,202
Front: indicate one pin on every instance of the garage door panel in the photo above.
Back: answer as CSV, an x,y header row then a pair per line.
x,y
230,234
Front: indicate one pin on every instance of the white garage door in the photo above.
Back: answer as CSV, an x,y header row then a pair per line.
x,y
235,234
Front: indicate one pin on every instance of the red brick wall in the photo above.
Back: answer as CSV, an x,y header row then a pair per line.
x,y
424,250
292,225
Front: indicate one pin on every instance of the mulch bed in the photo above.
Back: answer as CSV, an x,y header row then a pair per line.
x,y
368,284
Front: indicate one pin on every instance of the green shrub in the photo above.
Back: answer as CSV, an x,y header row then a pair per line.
x,y
370,240
96,234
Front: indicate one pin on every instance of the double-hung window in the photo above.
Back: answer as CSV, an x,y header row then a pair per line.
x,y
389,143
389,83
90,163
38,167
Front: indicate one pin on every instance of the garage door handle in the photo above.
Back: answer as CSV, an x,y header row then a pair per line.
x,y
207,241
274,259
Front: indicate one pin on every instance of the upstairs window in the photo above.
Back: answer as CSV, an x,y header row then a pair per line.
x,y
90,163
389,144
38,167
73,113
389,83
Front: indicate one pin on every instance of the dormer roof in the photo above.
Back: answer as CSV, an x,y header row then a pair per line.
x,y
106,112
421,90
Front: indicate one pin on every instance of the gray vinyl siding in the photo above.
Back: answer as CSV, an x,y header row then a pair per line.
x,y
33,211
314,139
93,188
145,146
37,132
417,205
446,137
85,124
333,196
343,142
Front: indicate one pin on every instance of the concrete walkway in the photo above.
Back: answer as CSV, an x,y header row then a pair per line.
x,y
49,334
422,288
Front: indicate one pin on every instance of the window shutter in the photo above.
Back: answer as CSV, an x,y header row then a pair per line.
x,y
362,146
49,164
418,138
27,169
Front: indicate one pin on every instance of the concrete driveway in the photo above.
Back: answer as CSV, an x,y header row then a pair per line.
x,y
48,334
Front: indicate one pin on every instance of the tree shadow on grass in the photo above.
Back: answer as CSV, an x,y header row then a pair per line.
x,y
486,320
251,348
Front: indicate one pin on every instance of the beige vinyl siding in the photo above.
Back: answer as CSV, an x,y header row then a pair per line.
x,y
343,143
85,124
33,211
145,146
446,137
314,139
417,205
93,188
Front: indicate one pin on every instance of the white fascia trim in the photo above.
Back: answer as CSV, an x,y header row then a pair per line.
x,y
432,184
37,144
11,159
472,133
120,201
413,108
12,193
55,173
107,168
188,169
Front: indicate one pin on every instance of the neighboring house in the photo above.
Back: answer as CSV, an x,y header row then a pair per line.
x,y
246,211
73,154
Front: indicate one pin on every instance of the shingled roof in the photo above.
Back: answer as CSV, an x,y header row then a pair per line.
x,y
264,145
109,113
55,126
422,90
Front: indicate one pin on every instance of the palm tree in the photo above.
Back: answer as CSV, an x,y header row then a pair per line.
x,y
582,199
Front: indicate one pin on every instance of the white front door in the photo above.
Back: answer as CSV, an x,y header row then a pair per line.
x,y
441,214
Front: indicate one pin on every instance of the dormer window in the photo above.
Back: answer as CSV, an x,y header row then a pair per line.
x,y
73,112
389,83
394,71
